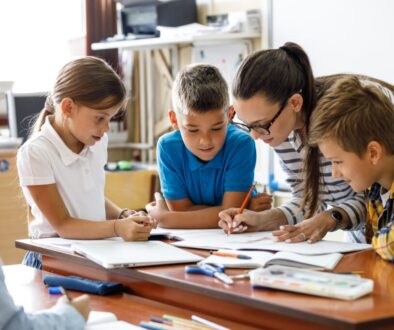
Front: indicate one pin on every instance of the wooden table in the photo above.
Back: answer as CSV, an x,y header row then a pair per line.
x,y
264,309
28,290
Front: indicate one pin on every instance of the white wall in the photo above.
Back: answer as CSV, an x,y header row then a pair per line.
x,y
355,36
37,38
339,35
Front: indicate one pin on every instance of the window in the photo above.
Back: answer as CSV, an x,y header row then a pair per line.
x,y
37,38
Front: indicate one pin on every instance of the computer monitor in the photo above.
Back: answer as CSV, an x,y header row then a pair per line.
x,y
22,110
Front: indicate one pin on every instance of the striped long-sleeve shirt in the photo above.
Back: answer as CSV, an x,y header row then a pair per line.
x,y
332,191
381,221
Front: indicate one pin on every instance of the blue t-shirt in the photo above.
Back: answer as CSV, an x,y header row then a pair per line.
x,y
183,175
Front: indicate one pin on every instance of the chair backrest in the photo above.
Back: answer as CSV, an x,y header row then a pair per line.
x,y
22,110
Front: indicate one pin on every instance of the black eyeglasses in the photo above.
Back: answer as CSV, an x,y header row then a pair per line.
x,y
263,129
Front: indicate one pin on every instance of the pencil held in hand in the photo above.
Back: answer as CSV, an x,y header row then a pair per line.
x,y
241,209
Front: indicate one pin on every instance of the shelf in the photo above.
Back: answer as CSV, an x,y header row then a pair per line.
x,y
153,43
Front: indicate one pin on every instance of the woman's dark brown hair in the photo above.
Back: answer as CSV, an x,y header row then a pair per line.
x,y
276,74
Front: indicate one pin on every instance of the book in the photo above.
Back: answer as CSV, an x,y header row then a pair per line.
x,y
116,254
107,320
264,259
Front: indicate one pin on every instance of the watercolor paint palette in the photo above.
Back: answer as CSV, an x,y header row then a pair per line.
x,y
331,285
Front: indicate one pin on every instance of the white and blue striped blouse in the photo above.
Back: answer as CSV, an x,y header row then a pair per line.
x,y
332,191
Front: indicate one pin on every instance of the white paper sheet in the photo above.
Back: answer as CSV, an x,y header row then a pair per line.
x,y
217,239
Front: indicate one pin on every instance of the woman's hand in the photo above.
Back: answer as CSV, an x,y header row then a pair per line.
x,y
311,230
233,222
260,202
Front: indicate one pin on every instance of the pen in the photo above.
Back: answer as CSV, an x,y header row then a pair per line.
x,y
241,209
231,255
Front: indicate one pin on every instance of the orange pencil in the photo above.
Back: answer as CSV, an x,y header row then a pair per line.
x,y
230,255
246,198
241,209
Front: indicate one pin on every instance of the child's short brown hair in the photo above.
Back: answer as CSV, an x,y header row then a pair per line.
x,y
199,88
355,111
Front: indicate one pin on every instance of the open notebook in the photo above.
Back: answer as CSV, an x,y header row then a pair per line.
x,y
264,259
105,321
119,254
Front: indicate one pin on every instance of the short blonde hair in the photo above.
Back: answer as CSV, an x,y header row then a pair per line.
x,y
199,88
354,112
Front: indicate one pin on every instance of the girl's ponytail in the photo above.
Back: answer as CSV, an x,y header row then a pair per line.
x,y
49,109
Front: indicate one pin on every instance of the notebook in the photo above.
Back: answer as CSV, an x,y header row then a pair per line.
x,y
117,254
106,320
264,259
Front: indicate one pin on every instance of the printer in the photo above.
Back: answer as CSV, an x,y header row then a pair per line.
x,y
143,16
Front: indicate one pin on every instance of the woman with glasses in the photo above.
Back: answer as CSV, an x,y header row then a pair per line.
x,y
275,94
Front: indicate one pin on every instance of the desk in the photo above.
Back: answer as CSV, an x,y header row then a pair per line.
x,y
239,303
151,127
27,289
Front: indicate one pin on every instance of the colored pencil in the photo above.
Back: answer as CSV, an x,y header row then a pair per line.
x,y
246,198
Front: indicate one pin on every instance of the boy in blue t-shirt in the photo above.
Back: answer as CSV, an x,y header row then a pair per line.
x,y
205,165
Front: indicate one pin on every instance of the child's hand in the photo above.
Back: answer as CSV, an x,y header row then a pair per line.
x,y
127,213
233,222
134,228
260,202
158,208
81,304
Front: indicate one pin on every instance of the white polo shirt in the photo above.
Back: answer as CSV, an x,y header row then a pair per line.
x,y
80,178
